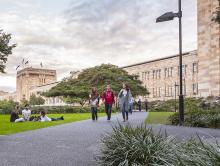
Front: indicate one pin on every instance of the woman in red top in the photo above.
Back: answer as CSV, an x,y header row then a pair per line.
x,y
108,98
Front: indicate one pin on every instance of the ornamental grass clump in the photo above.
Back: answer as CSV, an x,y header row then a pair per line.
x,y
135,147
139,146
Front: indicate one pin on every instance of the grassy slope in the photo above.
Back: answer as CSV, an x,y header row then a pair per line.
x,y
8,128
158,117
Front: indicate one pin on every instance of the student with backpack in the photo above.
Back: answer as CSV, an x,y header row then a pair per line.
x,y
94,103
108,98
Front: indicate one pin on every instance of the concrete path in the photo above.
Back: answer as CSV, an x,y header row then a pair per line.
x,y
75,144
183,133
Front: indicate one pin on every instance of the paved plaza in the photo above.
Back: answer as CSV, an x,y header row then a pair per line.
x,y
75,144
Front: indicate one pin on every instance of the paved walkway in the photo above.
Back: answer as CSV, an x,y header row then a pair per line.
x,y
75,144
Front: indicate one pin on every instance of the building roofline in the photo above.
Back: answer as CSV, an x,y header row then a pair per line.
x,y
159,59
31,68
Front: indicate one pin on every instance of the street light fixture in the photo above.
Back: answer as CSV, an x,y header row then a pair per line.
x,y
168,17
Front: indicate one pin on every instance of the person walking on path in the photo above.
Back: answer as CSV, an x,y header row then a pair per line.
x,y
131,105
108,98
139,104
124,97
94,103
146,105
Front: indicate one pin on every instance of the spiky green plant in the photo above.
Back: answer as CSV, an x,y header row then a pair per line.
x,y
139,146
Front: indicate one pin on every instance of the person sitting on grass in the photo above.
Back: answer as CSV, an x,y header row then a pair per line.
x,y
26,113
15,115
45,118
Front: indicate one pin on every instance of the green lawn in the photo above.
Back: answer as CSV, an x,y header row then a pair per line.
x,y
158,117
7,127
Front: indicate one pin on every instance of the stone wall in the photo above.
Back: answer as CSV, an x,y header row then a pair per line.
x,y
208,49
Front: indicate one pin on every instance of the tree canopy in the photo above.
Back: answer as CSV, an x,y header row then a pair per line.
x,y
78,90
34,100
5,49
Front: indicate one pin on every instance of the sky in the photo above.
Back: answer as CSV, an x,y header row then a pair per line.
x,y
69,35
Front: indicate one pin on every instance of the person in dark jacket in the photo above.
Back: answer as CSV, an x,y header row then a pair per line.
x,y
139,104
124,97
146,105
15,114
108,98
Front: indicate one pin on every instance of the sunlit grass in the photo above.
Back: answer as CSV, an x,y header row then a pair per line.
x,y
158,117
7,127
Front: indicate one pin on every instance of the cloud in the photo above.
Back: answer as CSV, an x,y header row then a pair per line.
x,y
91,32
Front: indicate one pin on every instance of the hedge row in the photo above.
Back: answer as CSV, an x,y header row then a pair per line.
x,y
59,109
199,118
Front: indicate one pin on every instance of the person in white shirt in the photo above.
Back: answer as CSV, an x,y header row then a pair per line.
x,y
26,113
45,118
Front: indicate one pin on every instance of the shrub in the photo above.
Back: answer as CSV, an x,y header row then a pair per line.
x,y
65,109
129,146
7,106
198,118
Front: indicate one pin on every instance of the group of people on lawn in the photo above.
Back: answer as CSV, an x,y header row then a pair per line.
x,y
26,116
125,99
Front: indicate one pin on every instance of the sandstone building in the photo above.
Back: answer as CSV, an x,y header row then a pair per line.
x,y
161,76
30,78
208,48
201,68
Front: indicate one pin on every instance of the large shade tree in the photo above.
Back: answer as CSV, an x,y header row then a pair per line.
x,y
5,49
77,90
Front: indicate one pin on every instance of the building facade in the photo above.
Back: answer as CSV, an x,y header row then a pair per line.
x,y
201,68
161,76
29,78
49,101
208,48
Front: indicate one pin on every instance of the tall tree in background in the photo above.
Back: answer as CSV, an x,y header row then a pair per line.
x,y
77,90
5,49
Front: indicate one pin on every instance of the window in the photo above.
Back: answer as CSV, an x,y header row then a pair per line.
x,y
159,89
154,95
142,76
165,73
148,75
168,72
195,89
195,68
154,74
183,69
159,74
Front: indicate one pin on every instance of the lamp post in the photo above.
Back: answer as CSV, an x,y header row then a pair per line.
x,y
168,17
